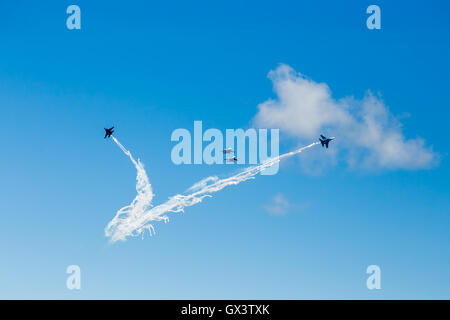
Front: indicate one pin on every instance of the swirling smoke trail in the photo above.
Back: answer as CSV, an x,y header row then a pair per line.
x,y
135,218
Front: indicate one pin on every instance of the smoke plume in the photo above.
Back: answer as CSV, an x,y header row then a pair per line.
x,y
137,217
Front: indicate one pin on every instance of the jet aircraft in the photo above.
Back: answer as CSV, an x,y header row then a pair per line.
x,y
108,132
324,140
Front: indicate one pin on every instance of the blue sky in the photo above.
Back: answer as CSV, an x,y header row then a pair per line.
x,y
151,67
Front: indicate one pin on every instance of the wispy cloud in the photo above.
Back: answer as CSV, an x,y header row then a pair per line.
x,y
368,134
278,205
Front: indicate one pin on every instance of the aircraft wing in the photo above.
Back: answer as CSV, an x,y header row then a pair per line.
x,y
322,136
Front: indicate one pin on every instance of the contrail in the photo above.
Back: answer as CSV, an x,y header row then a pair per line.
x,y
135,218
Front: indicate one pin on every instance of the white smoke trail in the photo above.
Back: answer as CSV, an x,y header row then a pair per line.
x,y
134,219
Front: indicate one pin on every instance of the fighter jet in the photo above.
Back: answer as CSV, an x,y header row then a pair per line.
x,y
234,159
108,132
229,150
324,141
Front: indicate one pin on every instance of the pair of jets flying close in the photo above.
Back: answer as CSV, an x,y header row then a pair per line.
x,y
323,140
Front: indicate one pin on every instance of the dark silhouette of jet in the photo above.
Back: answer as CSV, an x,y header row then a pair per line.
x,y
108,132
324,141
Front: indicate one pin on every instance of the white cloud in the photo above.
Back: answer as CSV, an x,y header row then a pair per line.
x,y
367,133
278,206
